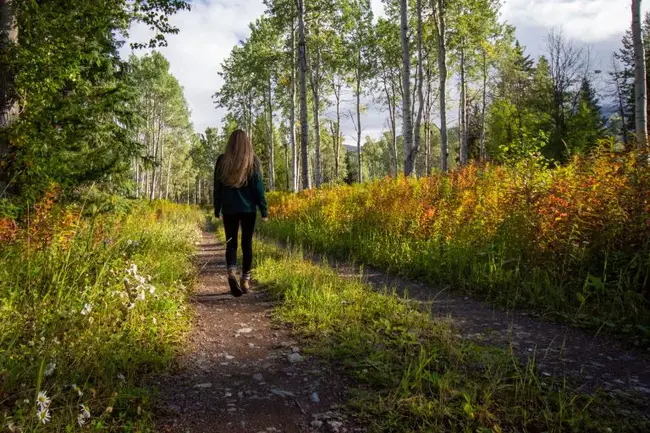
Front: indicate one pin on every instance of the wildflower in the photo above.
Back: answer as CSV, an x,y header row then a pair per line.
x,y
152,289
43,400
109,409
140,296
43,415
153,319
131,306
84,411
50,368
121,377
86,310
81,420
76,389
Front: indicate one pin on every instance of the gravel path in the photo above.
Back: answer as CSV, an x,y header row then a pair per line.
x,y
241,373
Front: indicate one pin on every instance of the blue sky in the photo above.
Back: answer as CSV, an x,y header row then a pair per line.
x,y
210,30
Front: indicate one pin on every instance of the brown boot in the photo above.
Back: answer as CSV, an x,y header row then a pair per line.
x,y
245,283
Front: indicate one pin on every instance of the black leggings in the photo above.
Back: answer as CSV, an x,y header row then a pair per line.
x,y
231,225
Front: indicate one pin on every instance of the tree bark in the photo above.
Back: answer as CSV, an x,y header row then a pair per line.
x,y
439,17
337,130
292,116
358,104
302,78
8,102
463,111
640,96
412,156
271,147
407,128
169,174
482,151
315,82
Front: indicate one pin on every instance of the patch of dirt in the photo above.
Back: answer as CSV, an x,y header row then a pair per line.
x,y
241,373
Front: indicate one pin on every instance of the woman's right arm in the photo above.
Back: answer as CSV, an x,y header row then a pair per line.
x,y
261,198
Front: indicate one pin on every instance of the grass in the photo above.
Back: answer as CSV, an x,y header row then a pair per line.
x,y
413,373
90,307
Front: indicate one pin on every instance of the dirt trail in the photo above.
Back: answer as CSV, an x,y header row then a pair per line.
x,y
595,361
243,374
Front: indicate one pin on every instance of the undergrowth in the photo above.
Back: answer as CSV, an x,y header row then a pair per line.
x,y
92,304
414,373
571,242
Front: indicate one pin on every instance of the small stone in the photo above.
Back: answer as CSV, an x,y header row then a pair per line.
x,y
642,389
296,349
203,385
251,345
245,331
282,393
295,358
174,409
335,426
314,397
232,409
258,377
317,424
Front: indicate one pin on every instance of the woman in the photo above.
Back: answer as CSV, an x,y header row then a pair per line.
x,y
238,192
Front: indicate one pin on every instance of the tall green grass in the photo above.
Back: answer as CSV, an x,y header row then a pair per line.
x,y
90,308
413,373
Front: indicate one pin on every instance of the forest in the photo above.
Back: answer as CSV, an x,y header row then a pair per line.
x,y
480,265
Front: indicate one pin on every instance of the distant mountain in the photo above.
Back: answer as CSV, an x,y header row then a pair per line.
x,y
351,148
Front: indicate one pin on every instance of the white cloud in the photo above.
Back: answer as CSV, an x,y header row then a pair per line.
x,y
584,20
207,35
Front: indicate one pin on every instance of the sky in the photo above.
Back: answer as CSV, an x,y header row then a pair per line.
x,y
212,27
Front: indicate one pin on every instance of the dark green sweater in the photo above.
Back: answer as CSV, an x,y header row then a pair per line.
x,y
246,199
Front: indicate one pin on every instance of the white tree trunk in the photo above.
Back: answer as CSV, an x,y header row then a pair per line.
x,y
271,146
358,106
407,128
482,151
439,12
463,111
292,115
640,96
412,156
302,78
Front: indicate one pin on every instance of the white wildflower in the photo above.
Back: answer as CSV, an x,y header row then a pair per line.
x,y
76,389
43,415
153,319
133,270
84,411
81,420
121,377
42,400
50,368
131,306
152,289
86,310
140,296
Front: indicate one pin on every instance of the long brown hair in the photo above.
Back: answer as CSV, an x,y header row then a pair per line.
x,y
239,160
